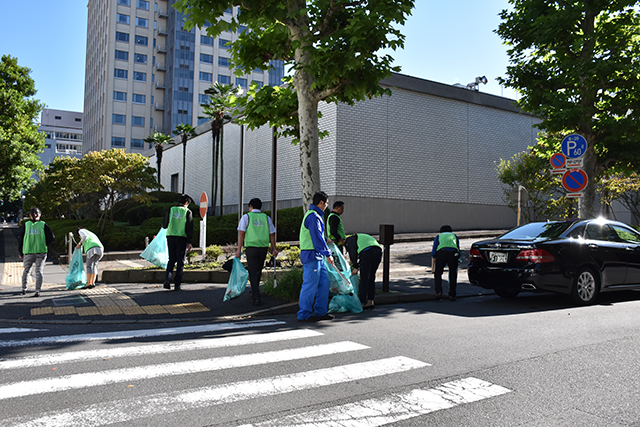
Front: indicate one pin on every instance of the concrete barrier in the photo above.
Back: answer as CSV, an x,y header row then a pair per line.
x,y
157,276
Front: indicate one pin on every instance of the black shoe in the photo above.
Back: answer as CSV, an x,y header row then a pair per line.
x,y
90,287
24,292
256,302
452,298
325,317
311,319
35,295
439,296
167,285
176,288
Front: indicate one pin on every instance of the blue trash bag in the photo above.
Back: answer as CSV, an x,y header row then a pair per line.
x,y
237,280
157,253
76,277
342,303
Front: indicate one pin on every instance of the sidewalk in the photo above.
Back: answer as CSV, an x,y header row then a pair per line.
x,y
410,281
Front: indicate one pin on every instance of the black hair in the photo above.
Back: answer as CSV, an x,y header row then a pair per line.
x,y
184,199
320,196
78,230
34,212
446,229
255,203
337,204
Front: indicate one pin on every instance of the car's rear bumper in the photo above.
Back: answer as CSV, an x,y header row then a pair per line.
x,y
524,279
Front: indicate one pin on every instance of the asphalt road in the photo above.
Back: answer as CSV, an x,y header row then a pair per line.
x,y
480,361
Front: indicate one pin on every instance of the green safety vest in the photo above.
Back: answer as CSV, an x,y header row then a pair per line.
x,y
177,221
91,242
306,244
34,241
365,241
447,240
257,233
341,234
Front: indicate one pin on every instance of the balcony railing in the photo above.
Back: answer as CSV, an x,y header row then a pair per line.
x,y
158,106
160,66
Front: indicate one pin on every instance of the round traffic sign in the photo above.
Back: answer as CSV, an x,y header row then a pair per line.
x,y
204,204
574,146
557,160
574,180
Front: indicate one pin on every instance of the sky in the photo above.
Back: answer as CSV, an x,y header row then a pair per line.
x,y
448,41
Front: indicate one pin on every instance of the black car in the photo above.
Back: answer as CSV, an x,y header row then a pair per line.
x,y
579,258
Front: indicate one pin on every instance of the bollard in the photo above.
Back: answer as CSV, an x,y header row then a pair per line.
x,y
146,241
386,240
70,246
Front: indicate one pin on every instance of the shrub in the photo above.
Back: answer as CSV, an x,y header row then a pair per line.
x,y
213,252
289,285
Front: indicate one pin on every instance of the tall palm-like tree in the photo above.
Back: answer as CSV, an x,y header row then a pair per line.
x,y
159,139
185,131
221,97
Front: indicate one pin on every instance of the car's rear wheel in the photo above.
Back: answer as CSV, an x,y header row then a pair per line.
x,y
586,286
506,293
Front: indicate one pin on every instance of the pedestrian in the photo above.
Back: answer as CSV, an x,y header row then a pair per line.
x,y
313,250
365,254
255,231
94,250
335,229
35,237
446,251
179,224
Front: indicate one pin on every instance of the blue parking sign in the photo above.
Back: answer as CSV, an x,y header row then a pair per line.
x,y
574,146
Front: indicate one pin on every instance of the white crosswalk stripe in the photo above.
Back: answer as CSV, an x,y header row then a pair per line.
x,y
136,409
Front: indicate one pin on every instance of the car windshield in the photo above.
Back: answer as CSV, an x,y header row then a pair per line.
x,y
537,230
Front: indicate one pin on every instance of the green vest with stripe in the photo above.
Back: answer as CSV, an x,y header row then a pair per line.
x,y
91,242
306,244
34,241
341,234
177,221
257,233
365,241
447,240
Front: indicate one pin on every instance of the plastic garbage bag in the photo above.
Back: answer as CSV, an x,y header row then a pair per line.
x,y
237,280
338,283
342,303
157,253
76,277
341,263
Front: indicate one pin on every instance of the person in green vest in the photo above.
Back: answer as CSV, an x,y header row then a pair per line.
x,y
179,224
255,231
365,254
446,251
94,250
35,237
335,229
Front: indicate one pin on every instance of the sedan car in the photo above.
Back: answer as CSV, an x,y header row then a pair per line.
x,y
579,258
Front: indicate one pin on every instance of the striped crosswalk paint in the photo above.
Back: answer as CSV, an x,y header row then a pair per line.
x,y
123,411
162,348
16,330
392,408
142,333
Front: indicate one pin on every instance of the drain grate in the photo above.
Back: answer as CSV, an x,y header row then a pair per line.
x,y
74,300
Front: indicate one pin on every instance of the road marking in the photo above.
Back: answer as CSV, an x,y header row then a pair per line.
x,y
92,379
393,408
142,333
165,347
123,411
15,330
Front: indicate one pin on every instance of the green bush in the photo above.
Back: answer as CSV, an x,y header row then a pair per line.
x,y
289,285
288,226
213,252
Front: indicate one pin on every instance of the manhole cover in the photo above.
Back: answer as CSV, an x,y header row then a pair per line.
x,y
74,300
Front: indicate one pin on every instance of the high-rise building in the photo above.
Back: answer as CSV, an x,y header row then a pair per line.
x,y
63,134
145,72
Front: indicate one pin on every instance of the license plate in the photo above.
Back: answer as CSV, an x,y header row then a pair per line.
x,y
498,257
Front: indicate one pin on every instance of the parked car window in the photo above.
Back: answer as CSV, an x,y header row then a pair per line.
x,y
538,230
577,232
601,232
626,234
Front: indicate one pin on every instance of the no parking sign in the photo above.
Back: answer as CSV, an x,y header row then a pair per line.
x,y
574,180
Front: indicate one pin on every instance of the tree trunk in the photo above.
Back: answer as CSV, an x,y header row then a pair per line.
x,y
587,204
213,171
221,168
214,197
184,160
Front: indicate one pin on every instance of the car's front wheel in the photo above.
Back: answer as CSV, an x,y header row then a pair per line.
x,y
506,293
585,287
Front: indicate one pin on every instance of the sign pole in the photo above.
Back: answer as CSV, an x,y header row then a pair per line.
x,y
204,204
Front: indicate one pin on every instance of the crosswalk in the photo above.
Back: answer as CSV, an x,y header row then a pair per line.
x,y
217,356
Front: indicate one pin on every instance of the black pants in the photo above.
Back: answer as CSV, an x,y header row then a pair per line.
x,y
369,261
449,258
177,254
255,264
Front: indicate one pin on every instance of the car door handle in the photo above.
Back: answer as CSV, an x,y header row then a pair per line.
x,y
593,246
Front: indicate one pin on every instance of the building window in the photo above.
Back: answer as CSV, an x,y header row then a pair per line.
x,y
206,40
137,143
142,40
122,19
117,141
120,96
140,58
223,44
223,62
120,74
119,119
137,121
138,98
228,10
78,119
124,2
142,4
174,183
241,29
122,55
241,82
202,120
225,80
122,37
139,77
203,99
276,73
206,77
58,117
256,82
206,58
141,22
258,70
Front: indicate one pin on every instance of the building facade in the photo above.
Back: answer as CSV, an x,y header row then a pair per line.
x,y
145,72
63,134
